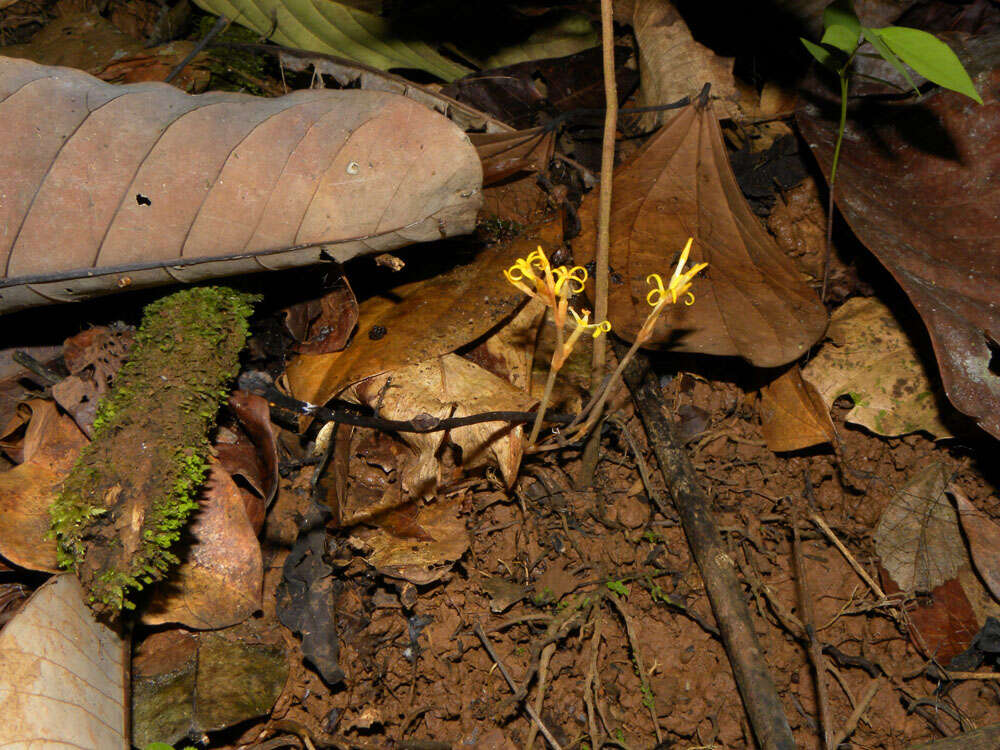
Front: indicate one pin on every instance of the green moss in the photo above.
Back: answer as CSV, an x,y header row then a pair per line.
x,y
133,489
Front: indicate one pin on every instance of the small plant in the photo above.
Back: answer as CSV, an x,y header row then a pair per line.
x,y
843,40
553,286
618,587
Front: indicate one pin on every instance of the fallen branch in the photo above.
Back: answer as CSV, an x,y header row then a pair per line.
x,y
760,697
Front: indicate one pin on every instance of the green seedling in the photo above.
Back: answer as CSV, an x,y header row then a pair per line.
x,y
844,39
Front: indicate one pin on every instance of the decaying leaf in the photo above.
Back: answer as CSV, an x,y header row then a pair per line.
x,y
871,359
917,537
751,302
558,35
983,534
185,684
917,184
449,386
218,582
506,154
792,414
324,325
92,357
337,29
414,322
421,562
51,445
212,185
63,677
673,65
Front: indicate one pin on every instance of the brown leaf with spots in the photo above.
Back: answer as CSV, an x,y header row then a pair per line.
x,y
751,301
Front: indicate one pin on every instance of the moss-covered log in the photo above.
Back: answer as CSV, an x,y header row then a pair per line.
x,y
133,488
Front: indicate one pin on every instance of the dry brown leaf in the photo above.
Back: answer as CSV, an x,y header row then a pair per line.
x,y
250,450
872,359
673,65
984,540
449,386
218,583
324,325
917,537
751,301
52,443
792,414
212,185
506,154
63,678
509,352
415,321
421,562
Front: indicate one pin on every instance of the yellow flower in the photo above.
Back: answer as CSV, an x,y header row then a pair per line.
x,y
553,286
583,324
679,284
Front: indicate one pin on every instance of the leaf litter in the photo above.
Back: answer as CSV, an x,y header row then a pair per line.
x,y
588,596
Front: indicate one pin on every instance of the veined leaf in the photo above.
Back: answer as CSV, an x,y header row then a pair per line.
x,y
841,13
843,38
335,29
872,35
823,56
929,56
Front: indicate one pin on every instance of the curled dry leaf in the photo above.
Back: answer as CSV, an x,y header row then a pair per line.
x,y
251,453
673,65
793,415
449,386
751,301
324,325
218,582
983,534
414,322
212,185
871,358
421,562
63,677
51,445
917,184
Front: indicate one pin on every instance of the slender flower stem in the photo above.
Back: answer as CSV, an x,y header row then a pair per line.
x,y
557,356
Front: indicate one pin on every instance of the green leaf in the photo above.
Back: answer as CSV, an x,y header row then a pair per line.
x,y
841,13
872,35
618,587
823,56
335,29
158,746
842,37
930,57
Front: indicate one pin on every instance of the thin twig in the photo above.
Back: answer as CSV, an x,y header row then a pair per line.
x,y
590,685
815,648
478,629
601,254
220,23
543,670
855,717
876,589
648,698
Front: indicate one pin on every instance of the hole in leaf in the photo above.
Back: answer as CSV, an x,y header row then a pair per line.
x,y
142,200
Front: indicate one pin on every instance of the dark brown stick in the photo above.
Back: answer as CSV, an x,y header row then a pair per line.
x,y
760,697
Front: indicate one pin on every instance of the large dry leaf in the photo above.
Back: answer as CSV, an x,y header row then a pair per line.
x,y
673,65
63,679
751,302
52,443
917,184
414,322
871,359
338,29
449,386
917,537
213,185
218,582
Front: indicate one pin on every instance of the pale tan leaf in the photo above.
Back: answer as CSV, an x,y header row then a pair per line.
x,y
983,534
213,185
871,358
449,386
63,679
917,537
673,65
